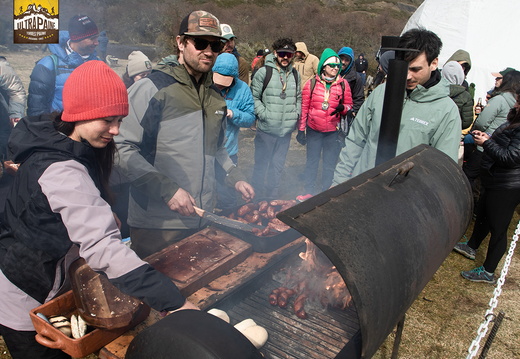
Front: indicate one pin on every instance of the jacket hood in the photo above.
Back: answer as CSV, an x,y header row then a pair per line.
x,y
509,97
170,60
226,65
300,46
325,55
347,51
453,72
39,135
461,56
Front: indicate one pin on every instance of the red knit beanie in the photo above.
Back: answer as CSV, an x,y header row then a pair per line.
x,y
92,91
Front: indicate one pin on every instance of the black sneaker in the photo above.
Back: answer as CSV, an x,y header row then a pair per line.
x,y
479,274
465,250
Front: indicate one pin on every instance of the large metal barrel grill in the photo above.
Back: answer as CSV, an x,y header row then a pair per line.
x,y
387,231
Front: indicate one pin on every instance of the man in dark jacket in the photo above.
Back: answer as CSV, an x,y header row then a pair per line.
x,y
171,138
346,54
76,46
361,67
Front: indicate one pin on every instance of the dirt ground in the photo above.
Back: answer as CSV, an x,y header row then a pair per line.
x,y
444,319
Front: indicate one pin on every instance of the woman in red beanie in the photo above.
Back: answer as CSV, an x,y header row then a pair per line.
x,y
58,209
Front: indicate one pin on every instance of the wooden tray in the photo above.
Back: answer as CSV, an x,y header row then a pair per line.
x,y
200,258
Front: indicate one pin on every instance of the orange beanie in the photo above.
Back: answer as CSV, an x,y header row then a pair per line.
x,y
93,90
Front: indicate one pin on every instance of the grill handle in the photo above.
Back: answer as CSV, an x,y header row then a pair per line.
x,y
402,171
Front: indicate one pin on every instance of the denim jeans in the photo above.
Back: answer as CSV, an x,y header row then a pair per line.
x,y
320,144
270,154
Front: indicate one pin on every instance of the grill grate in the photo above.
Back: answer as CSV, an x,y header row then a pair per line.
x,y
322,335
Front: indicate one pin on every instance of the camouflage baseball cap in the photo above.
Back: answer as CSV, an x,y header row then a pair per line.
x,y
200,23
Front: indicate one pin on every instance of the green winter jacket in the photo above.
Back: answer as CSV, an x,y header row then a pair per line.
x,y
276,116
429,117
464,102
170,139
494,114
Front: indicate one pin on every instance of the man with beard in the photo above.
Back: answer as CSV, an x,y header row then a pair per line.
x,y
429,115
171,139
277,94
76,46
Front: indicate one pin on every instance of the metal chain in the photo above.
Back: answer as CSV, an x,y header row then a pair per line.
x,y
493,302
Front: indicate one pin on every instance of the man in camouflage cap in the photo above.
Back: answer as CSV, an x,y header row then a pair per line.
x,y
170,140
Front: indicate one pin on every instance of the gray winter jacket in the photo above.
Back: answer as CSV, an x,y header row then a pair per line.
x,y
170,139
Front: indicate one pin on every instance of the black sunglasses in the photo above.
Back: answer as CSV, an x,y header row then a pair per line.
x,y
283,54
202,44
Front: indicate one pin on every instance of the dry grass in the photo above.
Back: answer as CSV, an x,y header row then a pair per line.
x,y
444,319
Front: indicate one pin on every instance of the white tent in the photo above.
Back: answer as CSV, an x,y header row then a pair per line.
x,y
487,29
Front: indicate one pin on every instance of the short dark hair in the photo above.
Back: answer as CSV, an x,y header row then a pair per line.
x,y
423,40
284,43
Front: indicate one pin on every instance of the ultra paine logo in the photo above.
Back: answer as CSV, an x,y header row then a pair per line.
x,y
35,23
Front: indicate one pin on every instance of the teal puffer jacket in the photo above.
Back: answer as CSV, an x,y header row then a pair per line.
x,y
276,115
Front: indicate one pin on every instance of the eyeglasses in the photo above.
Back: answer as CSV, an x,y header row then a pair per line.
x,y
333,65
283,54
202,44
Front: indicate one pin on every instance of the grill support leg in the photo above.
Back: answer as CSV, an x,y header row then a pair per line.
x,y
397,340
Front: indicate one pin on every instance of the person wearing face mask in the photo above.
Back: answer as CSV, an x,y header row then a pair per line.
x,y
76,46
172,137
59,210
429,116
325,98
277,95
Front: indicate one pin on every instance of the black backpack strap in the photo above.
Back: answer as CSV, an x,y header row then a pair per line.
x,y
267,78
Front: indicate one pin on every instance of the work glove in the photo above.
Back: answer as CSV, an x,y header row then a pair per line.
x,y
338,109
300,137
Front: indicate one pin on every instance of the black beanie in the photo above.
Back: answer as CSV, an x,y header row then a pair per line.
x,y
82,27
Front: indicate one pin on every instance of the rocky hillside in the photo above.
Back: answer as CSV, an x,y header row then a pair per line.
x,y
257,23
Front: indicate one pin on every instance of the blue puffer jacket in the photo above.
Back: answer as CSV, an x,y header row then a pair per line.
x,y
239,99
49,76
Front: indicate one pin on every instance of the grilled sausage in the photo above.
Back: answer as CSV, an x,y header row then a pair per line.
x,y
273,297
281,202
277,225
245,209
271,212
262,206
299,310
284,296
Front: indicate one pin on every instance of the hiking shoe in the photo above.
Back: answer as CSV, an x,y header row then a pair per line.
x,y
479,274
465,250
303,197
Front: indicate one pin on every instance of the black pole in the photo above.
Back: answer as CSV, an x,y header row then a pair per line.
x,y
393,101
